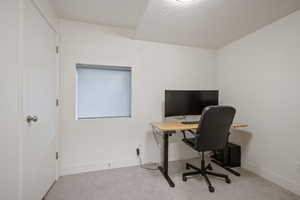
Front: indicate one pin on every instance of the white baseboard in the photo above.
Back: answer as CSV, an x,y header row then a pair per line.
x,y
275,178
96,166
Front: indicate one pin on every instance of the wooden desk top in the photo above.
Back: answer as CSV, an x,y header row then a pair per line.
x,y
178,126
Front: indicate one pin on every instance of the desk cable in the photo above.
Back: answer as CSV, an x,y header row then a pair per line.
x,y
154,132
147,168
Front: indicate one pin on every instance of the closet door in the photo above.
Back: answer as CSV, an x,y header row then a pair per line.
x,y
39,98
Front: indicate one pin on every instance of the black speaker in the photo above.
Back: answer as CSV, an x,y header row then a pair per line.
x,y
230,156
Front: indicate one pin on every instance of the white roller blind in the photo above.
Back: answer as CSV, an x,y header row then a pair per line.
x,y
103,91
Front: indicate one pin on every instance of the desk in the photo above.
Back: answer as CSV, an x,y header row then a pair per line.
x,y
167,129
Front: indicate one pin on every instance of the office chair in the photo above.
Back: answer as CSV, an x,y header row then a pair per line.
x,y
212,134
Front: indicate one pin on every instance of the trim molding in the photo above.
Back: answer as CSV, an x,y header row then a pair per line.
x,y
43,13
96,166
275,178
52,185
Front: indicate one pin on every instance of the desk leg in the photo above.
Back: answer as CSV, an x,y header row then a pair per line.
x,y
165,159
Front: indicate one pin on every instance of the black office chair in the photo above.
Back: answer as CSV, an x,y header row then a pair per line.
x,y
211,135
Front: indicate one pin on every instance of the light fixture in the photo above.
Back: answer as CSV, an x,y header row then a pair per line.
x,y
185,1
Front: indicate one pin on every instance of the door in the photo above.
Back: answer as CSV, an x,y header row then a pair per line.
x,y
39,97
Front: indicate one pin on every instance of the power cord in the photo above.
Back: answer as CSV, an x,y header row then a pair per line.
x,y
141,163
147,168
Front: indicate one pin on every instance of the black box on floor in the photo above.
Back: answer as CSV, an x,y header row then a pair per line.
x,y
230,156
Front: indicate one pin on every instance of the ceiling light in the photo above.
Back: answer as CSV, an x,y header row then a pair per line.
x,y
185,1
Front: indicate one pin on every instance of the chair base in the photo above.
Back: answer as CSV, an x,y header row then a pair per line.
x,y
226,168
204,172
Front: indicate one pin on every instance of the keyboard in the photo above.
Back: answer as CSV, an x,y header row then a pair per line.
x,y
190,122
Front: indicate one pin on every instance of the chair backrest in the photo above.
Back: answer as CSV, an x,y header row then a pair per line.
x,y
214,127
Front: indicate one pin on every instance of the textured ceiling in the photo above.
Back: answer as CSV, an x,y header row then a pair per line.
x,y
204,23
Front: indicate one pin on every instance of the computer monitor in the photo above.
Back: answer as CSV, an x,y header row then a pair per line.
x,y
189,102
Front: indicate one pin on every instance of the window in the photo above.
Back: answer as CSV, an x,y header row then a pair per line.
x,y
103,91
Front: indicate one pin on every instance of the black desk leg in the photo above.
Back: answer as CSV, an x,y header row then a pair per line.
x,y
165,159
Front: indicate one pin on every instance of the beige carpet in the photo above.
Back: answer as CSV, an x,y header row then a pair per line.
x,y
134,183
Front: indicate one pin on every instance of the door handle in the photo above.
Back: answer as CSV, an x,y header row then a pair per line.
x,y
31,118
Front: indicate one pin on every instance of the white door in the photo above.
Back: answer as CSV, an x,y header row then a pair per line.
x,y
39,96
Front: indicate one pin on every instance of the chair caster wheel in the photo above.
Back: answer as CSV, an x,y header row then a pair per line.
x,y
184,178
211,189
227,180
187,166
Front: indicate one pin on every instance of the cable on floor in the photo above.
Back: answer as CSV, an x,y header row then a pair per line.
x,y
147,168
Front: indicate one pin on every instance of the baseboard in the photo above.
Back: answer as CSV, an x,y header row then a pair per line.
x,y
52,185
275,178
96,166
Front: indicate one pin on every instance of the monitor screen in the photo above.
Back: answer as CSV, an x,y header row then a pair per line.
x,y
184,102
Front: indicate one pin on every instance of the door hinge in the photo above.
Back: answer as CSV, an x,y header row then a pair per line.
x,y
57,49
57,102
56,155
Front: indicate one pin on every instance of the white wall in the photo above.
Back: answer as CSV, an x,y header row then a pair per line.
x,y
9,132
48,12
260,75
92,144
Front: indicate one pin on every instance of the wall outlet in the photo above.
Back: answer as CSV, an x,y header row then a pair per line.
x,y
109,165
138,152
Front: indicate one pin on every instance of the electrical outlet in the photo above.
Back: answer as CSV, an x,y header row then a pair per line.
x,y
109,165
138,152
